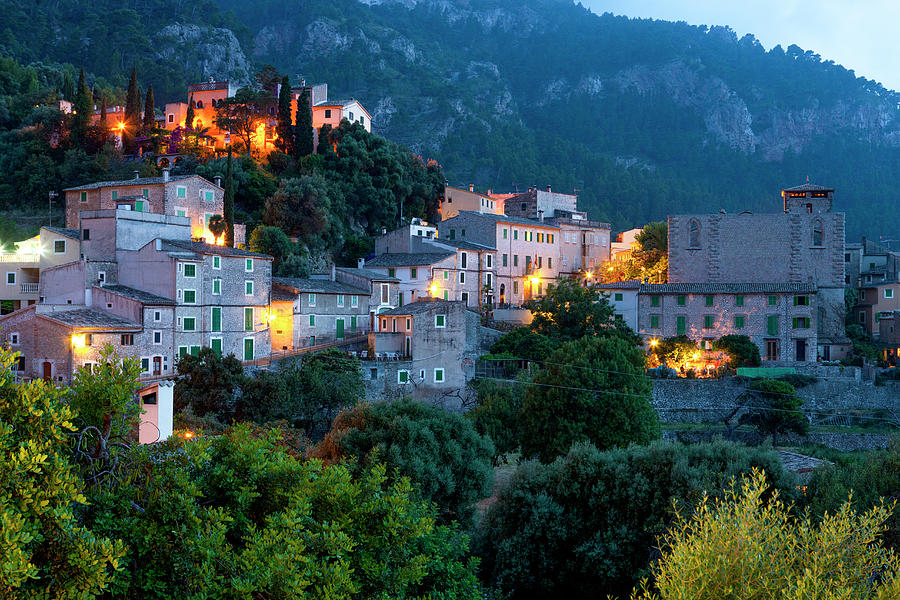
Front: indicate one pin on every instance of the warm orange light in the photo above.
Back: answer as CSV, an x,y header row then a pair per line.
x,y
654,343
433,289
78,341
696,355
534,280
121,126
271,317
188,434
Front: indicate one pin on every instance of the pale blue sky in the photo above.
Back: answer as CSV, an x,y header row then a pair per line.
x,y
860,35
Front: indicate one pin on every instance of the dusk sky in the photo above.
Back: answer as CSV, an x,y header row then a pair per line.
x,y
860,35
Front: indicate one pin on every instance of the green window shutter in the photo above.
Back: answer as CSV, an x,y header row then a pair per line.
x,y
504,258
145,365
190,297
248,349
618,296
208,196
190,270
248,288
738,300
682,300
195,350
772,325
84,196
654,300
709,300
182,351
353,323
504,231
708,321
738,321
413,273
190,324
145,192
216,345
115,195
139,206
680,325
654,321
248,319
312,320
217,318
182,192
390,272
217,286
773,300
515,234
217,262
446,295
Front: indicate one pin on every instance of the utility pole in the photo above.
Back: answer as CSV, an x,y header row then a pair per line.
x,y
50,196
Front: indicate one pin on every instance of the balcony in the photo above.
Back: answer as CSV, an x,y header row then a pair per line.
x,y
20,258
30,288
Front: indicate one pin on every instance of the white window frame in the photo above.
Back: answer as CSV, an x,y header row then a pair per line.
x,y
149,364
180,191
444,325
888,293
490,261
462,277
187,351
217,262
408,378
443,375
354,301
214,292
184,322
311,299
219,337
185,296
246,287
65,246
157,335
340,300
179,209
204,192
312,320
14,278
184,271
385,293
14,338
248,265
157,316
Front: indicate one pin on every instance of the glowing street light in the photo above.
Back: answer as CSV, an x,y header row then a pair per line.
x,y
654,343
121,126
433,289
78,340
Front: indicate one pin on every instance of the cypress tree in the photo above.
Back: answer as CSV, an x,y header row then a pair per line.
x,y
325,148
68,87
228,204
84,108
103,109
303,132
132,112
285,127
189,118
149,113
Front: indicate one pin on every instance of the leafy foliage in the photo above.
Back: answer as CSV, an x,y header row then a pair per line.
x,y
208,383
448,462
524,343
588,522
593,389
746,545
236,516
777,409
497,414
44,551
741,350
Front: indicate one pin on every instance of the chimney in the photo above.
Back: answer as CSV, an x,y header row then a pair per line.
x,y
541,215
548,188
471,187
360,263
489,192
218,180
333,272
137,174
165,173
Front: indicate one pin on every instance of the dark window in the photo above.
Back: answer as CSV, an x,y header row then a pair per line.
x,y
694,234
86,234
817,239
654,300
149,398
682,300
708,322
709,300
199,103
327,113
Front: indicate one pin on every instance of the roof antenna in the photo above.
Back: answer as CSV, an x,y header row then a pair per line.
x,y
807,179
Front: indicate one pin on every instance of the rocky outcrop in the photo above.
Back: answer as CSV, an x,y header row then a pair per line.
x,y
211,51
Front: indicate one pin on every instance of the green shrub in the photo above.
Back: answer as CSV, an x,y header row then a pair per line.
x,y
741,350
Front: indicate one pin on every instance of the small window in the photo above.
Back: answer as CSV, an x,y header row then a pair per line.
x,y
190,296
340,300
463,260
709,300
402,376
327,113
127,339
157,315
157,337
801,323
190,270
351,116
694,234
618,296
440,321
10,278
772,325
681,300
392,273
462,276
505,259
189,324
439,375
801,300
115,195
248,288
654,300
654,321
708,321
888,292
738,321
59,246
145,368
248,318
515,234
86,234
738,300
181,192
413,273
818,237
354,301
217,287
217,262
171,118
208,196
248,265
505,231
312,299
84,196
312,320
14,339
773,300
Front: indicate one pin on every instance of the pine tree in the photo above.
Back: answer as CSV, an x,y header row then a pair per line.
x,y
189,118
285,127
303,132
228,205
132,112
83,109
149,112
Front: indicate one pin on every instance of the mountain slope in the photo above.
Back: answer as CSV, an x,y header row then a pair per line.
x,y
643,117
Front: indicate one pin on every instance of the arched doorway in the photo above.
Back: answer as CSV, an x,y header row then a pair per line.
x,y
502,294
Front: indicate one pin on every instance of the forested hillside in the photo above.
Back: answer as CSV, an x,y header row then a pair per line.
x,y
643,117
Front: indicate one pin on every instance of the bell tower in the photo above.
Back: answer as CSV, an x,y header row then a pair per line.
x,y
807,199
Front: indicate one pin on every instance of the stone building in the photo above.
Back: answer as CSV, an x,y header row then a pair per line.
x,y
804,244
780,318
876,301
456,200
384,290
541,204
427,349
623,297
319,310
189,196
583,245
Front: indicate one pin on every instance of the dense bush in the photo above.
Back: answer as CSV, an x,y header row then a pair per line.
x,y
524,343
497,414
593,389
775,409
741,350
447,461
587,524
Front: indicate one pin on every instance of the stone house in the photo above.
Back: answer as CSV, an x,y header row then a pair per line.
x,y
23,266
804,244
623,297
780,318
417,236
583,244
541,204
426,349
309,312
528,254
189,196
875,301
221,294
456,200
384,290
